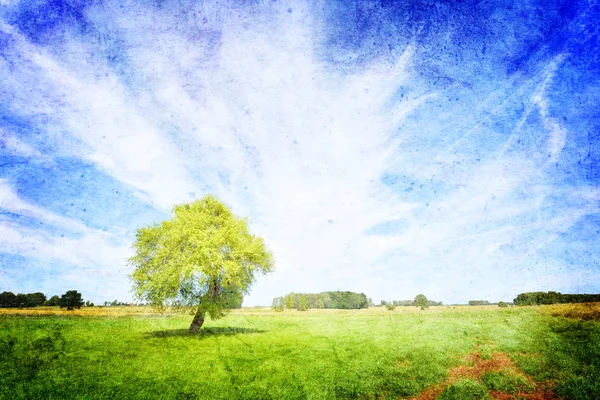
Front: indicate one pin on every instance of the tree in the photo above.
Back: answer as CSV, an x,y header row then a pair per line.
x,y
71,300
302,303
320,302
201,260
278,304
289,301
35,299
21,300
479,303
52,301
8,299
421,301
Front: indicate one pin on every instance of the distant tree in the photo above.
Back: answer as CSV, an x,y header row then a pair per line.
x,y
479,303
289,301
21,300
89,304
278,304
35,299
8,299
502,304
538,298
302,303
320,303
52,301
421,301
390,306
71,300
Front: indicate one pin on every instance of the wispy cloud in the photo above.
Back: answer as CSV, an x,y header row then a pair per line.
x,y
239,102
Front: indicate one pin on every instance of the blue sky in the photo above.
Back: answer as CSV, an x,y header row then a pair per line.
x,y
390,148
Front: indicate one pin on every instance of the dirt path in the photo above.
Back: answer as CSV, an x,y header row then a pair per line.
x,y
475,366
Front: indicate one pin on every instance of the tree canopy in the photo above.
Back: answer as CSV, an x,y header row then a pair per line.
x,y
337,299
204,258
71,300
9,299
421,301
536,298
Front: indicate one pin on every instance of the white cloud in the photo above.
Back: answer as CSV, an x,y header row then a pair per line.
x,y
94,259
244,108
10,201
16,146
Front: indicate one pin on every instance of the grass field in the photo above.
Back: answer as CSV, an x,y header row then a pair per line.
x,y
443,352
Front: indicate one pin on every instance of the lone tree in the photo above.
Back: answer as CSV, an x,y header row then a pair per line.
x,y
202,260
71,300
421,301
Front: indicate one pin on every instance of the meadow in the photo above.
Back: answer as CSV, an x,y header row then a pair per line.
x,y
460,352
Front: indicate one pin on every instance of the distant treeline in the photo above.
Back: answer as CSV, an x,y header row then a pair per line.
x,y
305,301
9,299
537,298
407,303
479,303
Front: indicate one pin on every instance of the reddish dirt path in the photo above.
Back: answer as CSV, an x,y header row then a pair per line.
x,y
475,366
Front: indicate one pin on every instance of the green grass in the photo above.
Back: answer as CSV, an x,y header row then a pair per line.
x,y
465,389
363,354
507,382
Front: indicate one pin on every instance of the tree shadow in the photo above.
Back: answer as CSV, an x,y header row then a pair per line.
x,y
204,332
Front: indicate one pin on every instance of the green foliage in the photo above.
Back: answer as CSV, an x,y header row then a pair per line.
x,y
9,299
479,303
52,301
421,301
302,302
340,300
502,304
71,300
203,259
538,298
465,389
390,307
278,304
507,382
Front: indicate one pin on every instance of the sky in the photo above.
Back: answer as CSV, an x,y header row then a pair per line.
x,y
390,148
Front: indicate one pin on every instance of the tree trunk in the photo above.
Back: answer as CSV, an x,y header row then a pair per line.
x,y
197,321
